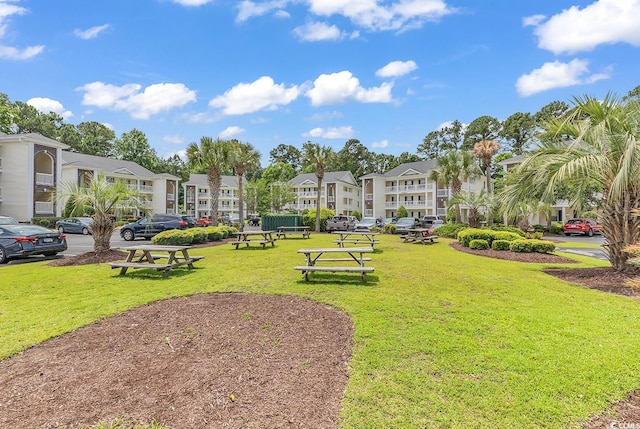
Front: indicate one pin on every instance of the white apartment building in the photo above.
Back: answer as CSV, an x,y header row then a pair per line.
x,y
30,172
340,192
159,191
197,196
409,185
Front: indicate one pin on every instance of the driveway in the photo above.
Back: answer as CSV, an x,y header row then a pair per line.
x,y
564,244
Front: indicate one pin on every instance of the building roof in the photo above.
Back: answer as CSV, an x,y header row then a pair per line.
x,y
109,165
201,180
32,137
329,177
418,167
513,160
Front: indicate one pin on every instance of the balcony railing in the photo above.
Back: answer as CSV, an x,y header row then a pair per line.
x,y
391,189
391,205
44,179
44,207
443,193
368,197
414,204
171,197
412,188
146,189
441,211
368,212
331,199
191,199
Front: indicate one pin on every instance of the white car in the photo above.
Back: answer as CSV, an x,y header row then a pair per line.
x,y
366,223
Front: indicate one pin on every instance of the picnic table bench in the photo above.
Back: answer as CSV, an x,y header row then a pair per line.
x,y
356,238
244,237
418,235
141,256
314,256
284,230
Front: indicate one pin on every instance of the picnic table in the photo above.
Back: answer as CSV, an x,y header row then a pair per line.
x,y
418,235
254,237
315,256
356,238
145,256
284,230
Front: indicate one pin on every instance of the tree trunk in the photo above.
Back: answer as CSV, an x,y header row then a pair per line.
x,y
487,173
214,179
318,204
456,188
621,229
101,230
240,202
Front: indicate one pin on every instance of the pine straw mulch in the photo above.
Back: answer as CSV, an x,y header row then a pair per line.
x,y
216,360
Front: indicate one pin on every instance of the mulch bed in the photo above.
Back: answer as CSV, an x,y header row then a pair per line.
x,y
217,360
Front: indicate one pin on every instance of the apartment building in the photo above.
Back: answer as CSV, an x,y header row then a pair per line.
x,y
340,192
30,173
197,196
409,185
159,191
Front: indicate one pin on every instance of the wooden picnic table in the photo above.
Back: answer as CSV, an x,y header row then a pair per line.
x,y
284,230
314,256
145,256
245,237
356,238
418,235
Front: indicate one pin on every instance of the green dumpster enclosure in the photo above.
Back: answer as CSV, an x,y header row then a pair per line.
x,y
272,222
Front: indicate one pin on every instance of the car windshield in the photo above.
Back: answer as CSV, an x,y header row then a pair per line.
x,y
85,220
367,221
574,221
6,220
405,220
27,229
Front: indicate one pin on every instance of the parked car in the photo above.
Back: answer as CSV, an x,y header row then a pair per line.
x,y
388,220
77,225
203,221
340,223
21,241
586,226
7,220
429,220
366,223
406,223
149,226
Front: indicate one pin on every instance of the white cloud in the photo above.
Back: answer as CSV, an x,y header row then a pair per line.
x,y
140,105
533,20
248,9
396,16
317,31
7,9
380,145
191,2
261,94
602,22
397,68
556,75
46,105
337,88
231,132
175,139
331,133
92,32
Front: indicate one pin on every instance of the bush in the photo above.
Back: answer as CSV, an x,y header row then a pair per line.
x,y
500,244
508,229
505,235
451,230
521,246
479,244
465,236
389,228
533,235
47,222
173,237
356,214
309,218
543,246
556,228
539,228
214,233
199,236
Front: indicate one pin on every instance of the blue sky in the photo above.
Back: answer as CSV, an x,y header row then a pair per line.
x,y
290,71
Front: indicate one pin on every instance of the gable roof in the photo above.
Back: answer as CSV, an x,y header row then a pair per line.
x,y
201,180
329,177
411,168
32,137
109,165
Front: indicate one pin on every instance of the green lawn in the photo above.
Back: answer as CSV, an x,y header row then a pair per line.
x,y
442,338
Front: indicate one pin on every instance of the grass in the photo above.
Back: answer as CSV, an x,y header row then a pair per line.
x,y
442,338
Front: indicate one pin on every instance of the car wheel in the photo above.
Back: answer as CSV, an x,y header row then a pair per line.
x,y
3,256
128,235
590,232
85,231
567,234
61,229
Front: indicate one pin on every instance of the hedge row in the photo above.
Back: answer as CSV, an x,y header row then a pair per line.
x,y
481,239
185,237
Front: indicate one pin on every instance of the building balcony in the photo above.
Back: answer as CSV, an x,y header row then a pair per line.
x,y
44,207
406,189
442,193
414,204
391,189
191,199
391,205
368,212
146,189
368,197
171,197
44,179
331,199
441,211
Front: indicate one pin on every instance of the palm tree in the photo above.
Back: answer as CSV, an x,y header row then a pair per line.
x,y
485,150
244,156
477,203
318,156
453,168
603,148
215,157
103,199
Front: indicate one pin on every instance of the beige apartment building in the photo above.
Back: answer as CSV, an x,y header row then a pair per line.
x,y
340,192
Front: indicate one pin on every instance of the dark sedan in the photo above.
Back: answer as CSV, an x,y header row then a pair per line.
x,y
21,241
75,225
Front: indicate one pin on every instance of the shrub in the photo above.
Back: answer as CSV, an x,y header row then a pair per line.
x,y
309,218
508,229
556,228
500,244
389,228
173,237
539,228
214,233
451,230
199,236
521,246
402,212
47,222
465,236
505,235
533,235
479,244
356,214
543,246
